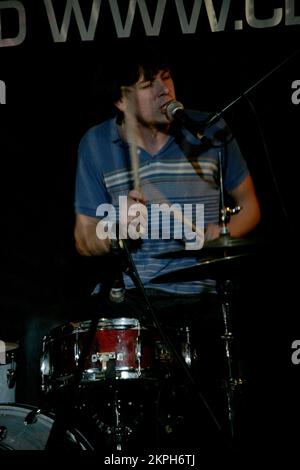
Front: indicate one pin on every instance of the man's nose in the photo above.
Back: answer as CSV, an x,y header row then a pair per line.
x,y
163,86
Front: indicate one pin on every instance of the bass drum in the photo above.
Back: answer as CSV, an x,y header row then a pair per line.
x,y
25,428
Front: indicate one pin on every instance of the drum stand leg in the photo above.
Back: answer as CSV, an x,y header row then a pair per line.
x,y
115,429
120,431
231,382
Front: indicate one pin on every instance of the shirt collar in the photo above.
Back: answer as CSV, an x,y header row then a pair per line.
x,y
114,133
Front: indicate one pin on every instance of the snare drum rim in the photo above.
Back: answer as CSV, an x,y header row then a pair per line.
x,y
71,328
120,323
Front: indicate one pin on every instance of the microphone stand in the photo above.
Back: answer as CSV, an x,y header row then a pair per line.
x,y
225,287
215,117
130,269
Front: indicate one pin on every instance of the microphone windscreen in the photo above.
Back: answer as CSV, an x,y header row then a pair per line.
x,y
172,108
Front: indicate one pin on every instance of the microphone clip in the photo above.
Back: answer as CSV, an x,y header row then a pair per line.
x,y
117,289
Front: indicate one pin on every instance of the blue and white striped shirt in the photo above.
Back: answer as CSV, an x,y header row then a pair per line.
x,y
183,171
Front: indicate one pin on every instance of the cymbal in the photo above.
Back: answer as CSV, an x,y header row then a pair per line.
x,y
224,244
222,268
226,241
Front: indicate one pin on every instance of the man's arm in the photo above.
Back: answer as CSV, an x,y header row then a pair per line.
x,y
246,220
86,240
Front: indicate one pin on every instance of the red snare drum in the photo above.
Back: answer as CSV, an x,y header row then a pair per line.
x,y
121,349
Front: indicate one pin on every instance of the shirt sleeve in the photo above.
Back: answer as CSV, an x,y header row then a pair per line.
x,y
90,188
236,168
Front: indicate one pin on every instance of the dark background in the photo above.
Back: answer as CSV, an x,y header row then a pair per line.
x,y
52,99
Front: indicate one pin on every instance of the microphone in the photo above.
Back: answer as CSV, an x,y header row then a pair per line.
x,y
117,290
174,110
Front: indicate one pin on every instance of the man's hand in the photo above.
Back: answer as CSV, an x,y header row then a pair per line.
x,y
135,224
212,232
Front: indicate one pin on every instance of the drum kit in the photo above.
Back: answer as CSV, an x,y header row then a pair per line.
x,y
111,381
118,384
123,385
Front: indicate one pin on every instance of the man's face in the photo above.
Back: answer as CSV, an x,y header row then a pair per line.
x,y
147,98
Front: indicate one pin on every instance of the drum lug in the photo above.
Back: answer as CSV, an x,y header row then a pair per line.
x,y
31,417
3,432
11,373
11,378
186,349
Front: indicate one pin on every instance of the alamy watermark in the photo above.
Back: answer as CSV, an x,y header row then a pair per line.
x,y
2,92
181,222
295,358
296,94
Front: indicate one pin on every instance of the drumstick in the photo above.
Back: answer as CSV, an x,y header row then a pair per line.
x,y
135,166
130,128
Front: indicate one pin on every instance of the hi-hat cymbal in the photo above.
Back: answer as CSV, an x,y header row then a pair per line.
x,y
225,245
226,241
222,268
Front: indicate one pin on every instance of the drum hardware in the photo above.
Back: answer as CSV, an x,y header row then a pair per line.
x,y
225,289
3,432
130,415
129,268
32,416
219,259
123,411
8,366
232,382
103,358
11,372
66,404
213,250
225,269
189,354
118,432
11,378
9,357
121,349
92,359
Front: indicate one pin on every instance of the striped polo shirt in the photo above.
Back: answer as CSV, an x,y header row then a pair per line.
x,y
185,172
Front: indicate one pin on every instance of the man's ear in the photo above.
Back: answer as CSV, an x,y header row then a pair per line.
x,y
120,104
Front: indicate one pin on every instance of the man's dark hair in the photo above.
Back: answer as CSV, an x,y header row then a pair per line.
x,y
124,66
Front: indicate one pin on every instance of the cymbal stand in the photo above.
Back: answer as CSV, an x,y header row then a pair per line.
x,y
225,290
130,269
224,215
225,212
